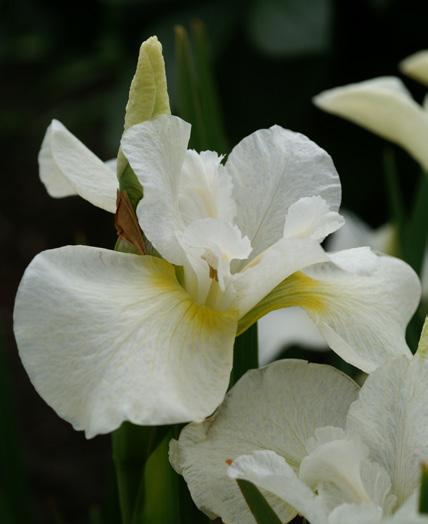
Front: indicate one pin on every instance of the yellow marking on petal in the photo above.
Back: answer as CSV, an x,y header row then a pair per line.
x,y
199,316
422,351
296,290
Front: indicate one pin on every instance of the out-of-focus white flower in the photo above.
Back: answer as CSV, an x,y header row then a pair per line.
x,y
107,336
315,444
384,106
416,66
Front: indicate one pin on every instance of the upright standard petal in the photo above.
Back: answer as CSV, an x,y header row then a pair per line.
x,y
360,302
67,167
271,169
156,150
391,418
107,337
416,66
276,408
385,107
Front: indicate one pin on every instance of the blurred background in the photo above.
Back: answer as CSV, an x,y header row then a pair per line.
x,y
74,63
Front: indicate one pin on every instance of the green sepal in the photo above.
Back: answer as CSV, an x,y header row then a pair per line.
x,y
259,506
148,98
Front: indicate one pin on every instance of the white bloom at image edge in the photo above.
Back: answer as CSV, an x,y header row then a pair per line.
x,y
315,444
107,337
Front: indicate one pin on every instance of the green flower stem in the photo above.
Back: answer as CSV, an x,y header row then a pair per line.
x,y
245,353
394,196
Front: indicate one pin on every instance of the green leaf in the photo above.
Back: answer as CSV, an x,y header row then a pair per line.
x,y
187,90
196,92
423,492
158,500
258,505
132,446
394,194
416,230
210,106
245,353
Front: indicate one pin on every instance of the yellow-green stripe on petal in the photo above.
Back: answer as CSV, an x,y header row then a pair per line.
x,y
296,290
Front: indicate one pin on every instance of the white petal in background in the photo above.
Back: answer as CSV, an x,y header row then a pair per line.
x,y
276,408
384,106
266,169
67,167
107,337
416,66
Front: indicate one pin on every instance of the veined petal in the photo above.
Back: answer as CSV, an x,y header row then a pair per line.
x,y
283,327
67,167
263,273
416,66
391,418
216,242
156,150
361,303
205,188
107,337
271,169
385,107
310,217
269,471
357,514
277,408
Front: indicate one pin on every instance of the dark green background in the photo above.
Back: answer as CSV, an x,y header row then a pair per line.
x,y
74,62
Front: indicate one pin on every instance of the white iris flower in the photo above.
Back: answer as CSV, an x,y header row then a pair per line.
x,y
108,336
385,107
315,444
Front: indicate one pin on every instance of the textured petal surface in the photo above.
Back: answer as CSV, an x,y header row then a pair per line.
x,y
277,408
67,167
283,327
416,66
271,472
271,169
356,514
156,150
391,418
262,274
385,107
107,337
365,303
310,217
